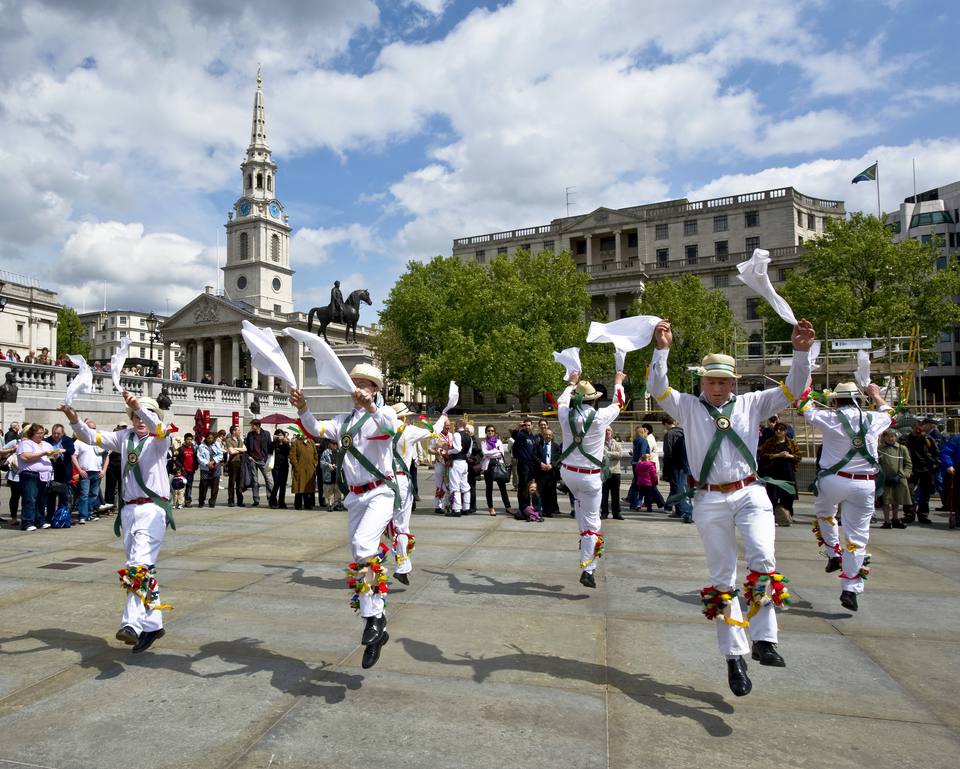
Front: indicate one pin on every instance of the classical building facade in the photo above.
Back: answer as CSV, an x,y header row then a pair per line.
x,y
28,317
621,249
106,328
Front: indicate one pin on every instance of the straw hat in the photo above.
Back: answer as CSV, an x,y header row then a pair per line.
x,y
587,390
367,371
401,410
719,366
147,404
845,390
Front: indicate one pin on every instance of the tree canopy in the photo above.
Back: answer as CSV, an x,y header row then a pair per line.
x,y
701,320
491,328
71,333
855,282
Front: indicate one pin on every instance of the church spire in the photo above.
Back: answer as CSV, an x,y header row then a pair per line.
x,y
258,129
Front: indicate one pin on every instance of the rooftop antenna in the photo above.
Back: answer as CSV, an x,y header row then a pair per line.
x,y
104,296
569,192
914,180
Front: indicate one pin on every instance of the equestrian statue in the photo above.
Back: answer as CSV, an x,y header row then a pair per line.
x,y
340,310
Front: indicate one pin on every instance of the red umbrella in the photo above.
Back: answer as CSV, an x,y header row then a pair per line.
x,y
278,419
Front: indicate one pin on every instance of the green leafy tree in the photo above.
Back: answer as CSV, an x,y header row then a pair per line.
x,y
71,333
701,320
855,282
491,328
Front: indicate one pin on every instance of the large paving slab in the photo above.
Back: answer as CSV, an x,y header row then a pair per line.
x,y
497,657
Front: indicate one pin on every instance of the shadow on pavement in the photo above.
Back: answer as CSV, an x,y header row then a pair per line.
x,y
297,578
640,687
496,587
689,598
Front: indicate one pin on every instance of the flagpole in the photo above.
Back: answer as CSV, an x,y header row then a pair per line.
x,y
879,215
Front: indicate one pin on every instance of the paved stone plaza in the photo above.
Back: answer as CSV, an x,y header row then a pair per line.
x,y
497,658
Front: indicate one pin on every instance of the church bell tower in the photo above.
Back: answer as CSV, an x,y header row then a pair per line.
x,y
257,270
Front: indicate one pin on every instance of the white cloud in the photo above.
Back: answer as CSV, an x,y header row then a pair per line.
x,y
814,131
314,246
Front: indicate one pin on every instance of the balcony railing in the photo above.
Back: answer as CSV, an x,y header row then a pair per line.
x,y
730,258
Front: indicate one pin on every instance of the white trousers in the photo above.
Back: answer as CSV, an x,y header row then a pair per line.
x,y
857,498
719,517
586,489
459,485
439,477
143,529
401,522
367,516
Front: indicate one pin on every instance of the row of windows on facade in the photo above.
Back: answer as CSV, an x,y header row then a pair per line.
x,y
691,252
260,182
107,335
103,354
274,246
122,321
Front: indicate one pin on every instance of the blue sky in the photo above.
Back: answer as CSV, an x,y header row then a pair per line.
x,y
398,126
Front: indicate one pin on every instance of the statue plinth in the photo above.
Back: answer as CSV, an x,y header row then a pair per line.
x,y
325,401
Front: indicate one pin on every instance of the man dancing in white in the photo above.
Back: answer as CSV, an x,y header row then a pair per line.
x,y
721,431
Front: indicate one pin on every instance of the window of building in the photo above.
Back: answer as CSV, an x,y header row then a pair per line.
x,y
142,336
894,227
244,246
799,218
799,240
581,247
631,240
751,243
525,246
663,257
751,219
811,222
275,247
941,262
721,281
755,348
19,332
608,244
753,304
278,309
123,321
249,181
721,250
690,227
113,321
662,232
781,274
548,245
259,181
691,253
926,238
501,250
143,321
143,352
946,357
932,217
242,282
956,334
276,284
951,240
269,183
720,223
477,398
481,256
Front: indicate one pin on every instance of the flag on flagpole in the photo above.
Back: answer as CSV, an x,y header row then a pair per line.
x,y
866,175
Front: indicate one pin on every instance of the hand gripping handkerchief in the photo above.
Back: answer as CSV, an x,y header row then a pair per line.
x,y
570,360
330,370
265,353
753,273
82,382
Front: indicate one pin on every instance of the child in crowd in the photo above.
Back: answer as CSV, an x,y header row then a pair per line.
x,y
645,477
179,484
533,512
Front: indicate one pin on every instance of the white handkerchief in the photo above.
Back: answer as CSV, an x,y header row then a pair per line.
x,y
813,354
570,360
753,273
82,382
453,397
862,377
619,359
330,370
627,334
265,353
117,362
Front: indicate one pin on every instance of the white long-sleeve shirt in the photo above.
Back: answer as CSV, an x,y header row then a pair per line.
x,y
153,457
593,441
836,444
374,440
410,436
749,410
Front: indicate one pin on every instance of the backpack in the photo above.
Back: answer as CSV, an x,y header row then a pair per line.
x,y
61,518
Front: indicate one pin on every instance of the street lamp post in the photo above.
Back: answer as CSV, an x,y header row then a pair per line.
x,y
152,322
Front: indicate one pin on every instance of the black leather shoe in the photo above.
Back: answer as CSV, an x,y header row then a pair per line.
x,y
401,578
587,579
833,564
452,514
617,517
128,635
740,683
848,599
373,630
924,520
372,653
147,637
765,652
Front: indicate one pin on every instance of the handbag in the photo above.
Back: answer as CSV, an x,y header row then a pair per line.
x,y
499,471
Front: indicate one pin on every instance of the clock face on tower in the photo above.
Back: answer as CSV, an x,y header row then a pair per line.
x,y
245,208
274,210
